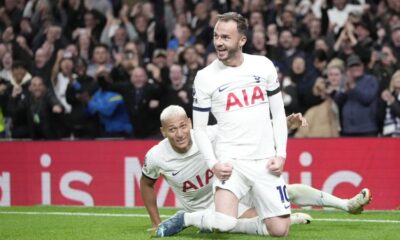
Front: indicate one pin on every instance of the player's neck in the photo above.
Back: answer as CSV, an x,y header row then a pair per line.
x,y
236,61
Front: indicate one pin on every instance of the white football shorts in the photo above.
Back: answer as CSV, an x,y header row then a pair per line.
x,y
254,185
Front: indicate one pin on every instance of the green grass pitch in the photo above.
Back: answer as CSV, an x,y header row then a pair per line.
x,y
96,223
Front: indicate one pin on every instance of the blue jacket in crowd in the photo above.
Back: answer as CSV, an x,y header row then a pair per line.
x,y
359,106
111,110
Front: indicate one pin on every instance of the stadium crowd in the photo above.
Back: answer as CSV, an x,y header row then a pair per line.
x,y
90,69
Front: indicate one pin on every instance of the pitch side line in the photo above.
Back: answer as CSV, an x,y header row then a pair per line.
x,y
355,220
82,214
165,216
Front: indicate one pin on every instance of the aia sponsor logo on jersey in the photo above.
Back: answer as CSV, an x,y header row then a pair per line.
x,y
244,98
199,182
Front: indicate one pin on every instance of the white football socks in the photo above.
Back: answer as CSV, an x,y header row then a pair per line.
x,y
200,219
254,226
305,195
208,220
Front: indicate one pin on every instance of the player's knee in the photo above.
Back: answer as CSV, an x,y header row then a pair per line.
x,y
223,222
278,231
278,227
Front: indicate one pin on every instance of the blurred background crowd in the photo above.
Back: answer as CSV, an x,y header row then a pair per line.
x,y
85,69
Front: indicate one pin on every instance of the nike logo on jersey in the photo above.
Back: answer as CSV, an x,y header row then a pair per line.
x,y
257,78
175,173
286,207
223,87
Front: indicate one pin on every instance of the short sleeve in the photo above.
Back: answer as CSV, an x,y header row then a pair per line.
x,y
201,99
150,167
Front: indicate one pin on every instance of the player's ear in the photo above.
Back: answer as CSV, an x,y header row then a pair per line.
x,y
190,123
242,41
162,132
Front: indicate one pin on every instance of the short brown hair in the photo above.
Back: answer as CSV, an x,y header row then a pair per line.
x,y
242,23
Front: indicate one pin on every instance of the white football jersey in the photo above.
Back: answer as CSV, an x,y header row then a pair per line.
x,y
187,173
237,96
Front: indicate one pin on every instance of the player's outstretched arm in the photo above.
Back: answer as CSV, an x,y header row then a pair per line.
x,y
150,199
296,120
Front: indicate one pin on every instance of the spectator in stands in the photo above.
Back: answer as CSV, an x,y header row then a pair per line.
x,y
142,99
16,86
343,47
26,30
394,6
125,62
289,93
155,67
205,35
389,108
304,77
256,18
340,11
183,37
383,64
177,93
4,85
71,50
101,60
336,77
6,66
192,63
73,12
43,63
323,44
362,41
10,15
395,39
159,67
325,116
286,20
79,92
145,29
156,32
94,22
85,44
51,40
110,108
20,76
118,32
39,110
258,44
358,103
287,51
200,19
62,75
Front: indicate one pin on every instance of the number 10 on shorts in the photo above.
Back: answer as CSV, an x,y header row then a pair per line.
x,y
283,193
